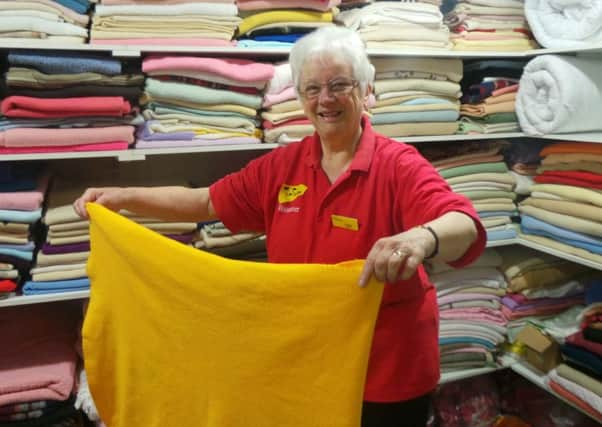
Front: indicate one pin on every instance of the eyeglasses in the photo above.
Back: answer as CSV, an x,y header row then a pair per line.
x,y
337,88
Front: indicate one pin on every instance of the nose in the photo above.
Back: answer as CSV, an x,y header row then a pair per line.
x,y
325,94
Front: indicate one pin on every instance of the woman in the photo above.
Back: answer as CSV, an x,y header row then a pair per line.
x,y
344,193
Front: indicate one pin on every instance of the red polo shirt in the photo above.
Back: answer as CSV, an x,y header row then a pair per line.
x,y
388,188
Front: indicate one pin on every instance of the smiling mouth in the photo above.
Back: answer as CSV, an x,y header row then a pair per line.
x,y
330,115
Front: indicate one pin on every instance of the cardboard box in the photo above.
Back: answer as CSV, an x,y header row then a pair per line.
x,y
541,350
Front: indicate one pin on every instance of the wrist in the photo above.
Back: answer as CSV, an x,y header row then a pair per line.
x,y
433,242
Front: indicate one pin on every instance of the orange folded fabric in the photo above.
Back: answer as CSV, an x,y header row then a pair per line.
x,y
572,147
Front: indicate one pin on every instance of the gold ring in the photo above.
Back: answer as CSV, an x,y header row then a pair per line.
x,y
397,252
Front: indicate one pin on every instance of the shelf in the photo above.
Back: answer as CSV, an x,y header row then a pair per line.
x,y
522,369
135,153
559,254
448,377
471,137
595,137
137,50
141,153
504,242
438,53
580,137
593,49
548,250
36,299
120,154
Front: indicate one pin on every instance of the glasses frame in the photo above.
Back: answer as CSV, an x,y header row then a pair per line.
x,y
352,85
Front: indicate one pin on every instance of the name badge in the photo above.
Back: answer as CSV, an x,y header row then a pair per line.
x,y
345,222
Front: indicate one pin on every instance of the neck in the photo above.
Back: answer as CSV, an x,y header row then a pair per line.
x,y
341,145
337,155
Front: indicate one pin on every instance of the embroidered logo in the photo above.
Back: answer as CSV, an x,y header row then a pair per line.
x,y
288,193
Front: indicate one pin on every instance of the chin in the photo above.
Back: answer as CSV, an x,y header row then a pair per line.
x,y
329,130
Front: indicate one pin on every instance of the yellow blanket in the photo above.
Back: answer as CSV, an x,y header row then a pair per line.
x,y
178,337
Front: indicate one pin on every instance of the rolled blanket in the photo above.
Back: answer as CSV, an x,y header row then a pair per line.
x,y
559,94
565,23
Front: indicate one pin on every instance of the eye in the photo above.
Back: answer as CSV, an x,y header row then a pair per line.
x,y
312,90
339,86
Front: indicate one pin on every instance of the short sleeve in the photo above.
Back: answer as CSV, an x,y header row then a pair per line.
x,y
425,196
238,198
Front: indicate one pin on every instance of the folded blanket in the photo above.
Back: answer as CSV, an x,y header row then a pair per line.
x,y
26,106
68,63
558,24
56,286
38,359
28,137
560,94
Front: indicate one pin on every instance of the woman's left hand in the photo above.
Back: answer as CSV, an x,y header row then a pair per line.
x,y
397,257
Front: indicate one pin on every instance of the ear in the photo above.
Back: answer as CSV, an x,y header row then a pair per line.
x,y
367,97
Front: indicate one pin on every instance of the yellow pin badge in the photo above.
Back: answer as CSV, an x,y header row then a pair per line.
x,y
288,192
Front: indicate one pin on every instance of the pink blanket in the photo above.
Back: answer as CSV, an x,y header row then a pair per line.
x,y
108,146
42,137
242,70
25,200
38,358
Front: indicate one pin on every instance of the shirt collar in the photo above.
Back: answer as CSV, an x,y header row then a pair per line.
x,y
363,154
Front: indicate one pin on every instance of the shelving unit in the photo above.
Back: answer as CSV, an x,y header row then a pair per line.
x,y
133,51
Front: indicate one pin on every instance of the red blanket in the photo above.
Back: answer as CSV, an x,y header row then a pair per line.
x,y
46,108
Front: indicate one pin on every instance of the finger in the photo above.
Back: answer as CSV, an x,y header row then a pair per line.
x,y
410,267
381,264
395,264
366,273
368,268
89,195
77,206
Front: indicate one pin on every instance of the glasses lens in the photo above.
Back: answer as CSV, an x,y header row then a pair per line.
x,y
340,87
334,87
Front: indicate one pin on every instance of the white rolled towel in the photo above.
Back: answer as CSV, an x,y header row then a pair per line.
x,y
565,23
560,94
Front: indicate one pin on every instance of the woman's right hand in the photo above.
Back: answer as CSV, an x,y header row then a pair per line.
x,y
110,197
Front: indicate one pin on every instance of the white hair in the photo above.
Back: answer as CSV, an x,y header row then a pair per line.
x,y
330,41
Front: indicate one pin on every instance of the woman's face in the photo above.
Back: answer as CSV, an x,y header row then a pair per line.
x,y
331,97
